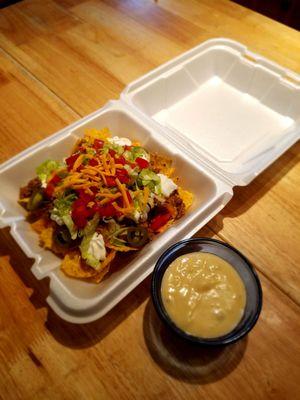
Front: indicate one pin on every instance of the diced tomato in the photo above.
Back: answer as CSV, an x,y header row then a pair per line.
x,y
111,181
49,190
128,147
79,205
82,149
106,210
124,179
80,213
93,162
159,221
71,160
112,152
122,172
98,144
122,175
55,179
79,219
120,160
84,197
142,163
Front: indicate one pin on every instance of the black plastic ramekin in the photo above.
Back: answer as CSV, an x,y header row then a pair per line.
x,y
233,257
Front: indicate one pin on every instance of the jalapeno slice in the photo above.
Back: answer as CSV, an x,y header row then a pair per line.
x,y
35,200
137,236
62,237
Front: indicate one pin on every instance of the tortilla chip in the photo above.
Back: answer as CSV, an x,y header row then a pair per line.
x,y
161,164
186,196
136,143
100,275
46,237
39,225
73,266
98,133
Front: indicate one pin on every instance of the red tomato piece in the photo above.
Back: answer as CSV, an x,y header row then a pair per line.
x,y
55,179
112,152
79,220
106,210
71,160
84,197
111,181
142,163
159,221
80,213
124,179
122,172
93,162
122,175
49,190
120,160
98,144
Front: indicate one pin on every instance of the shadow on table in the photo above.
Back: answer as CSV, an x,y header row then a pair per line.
x,y
86,335
70,335
185,361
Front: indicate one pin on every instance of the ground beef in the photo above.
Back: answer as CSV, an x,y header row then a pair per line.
x,y
175,201
31,187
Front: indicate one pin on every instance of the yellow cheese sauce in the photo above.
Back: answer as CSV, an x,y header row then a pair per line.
x,y
203,294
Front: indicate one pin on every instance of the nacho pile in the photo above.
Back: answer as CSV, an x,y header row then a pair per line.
x,y
108,197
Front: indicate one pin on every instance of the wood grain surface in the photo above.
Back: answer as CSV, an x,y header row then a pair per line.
x,y
60,60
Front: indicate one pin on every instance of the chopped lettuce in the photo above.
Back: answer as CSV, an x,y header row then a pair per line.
x,y
70,225
133,172
91,226
44,170
61,213
151,179
135,152
113,146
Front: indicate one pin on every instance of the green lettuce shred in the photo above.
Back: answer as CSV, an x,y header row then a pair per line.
x,y
151,179
61,213
44,170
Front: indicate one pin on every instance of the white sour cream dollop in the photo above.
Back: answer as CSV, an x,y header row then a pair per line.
x,y
167,185
97,247
120,141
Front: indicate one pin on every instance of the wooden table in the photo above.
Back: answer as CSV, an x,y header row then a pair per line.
x,y
60,60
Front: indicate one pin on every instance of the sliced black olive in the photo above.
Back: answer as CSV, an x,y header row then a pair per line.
x,y
62,237
137,236
35,200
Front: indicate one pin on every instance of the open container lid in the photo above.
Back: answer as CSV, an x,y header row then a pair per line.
x,y
231,109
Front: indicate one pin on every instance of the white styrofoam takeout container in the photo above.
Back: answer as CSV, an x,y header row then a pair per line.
x,y
221,112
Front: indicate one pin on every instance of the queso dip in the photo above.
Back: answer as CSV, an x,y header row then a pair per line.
x,y
203,294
